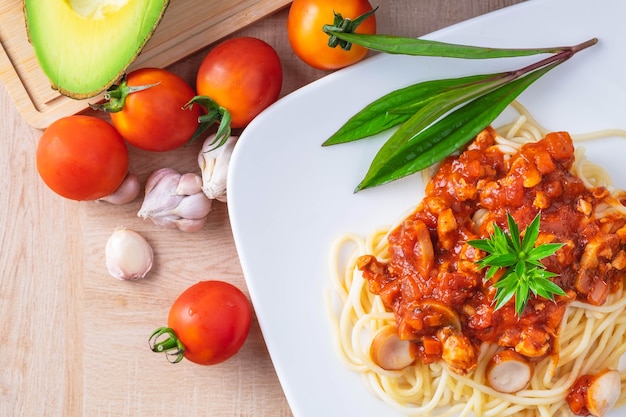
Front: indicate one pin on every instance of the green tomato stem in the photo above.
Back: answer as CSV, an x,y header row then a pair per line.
x,y
169,344
344,25
116,96
215,114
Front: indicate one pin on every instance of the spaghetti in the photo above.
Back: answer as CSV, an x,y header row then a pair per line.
x,y
589,334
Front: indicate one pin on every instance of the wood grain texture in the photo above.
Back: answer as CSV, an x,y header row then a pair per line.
x,y
74,340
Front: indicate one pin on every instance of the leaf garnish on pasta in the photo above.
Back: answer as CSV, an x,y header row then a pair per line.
x,y
521,261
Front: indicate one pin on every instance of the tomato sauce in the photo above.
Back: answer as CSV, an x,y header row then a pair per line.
x,y
432,282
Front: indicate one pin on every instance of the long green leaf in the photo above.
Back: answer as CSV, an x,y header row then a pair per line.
x,y
491,272
543,251
448,135
530,236
413,46
547,289
500,239
482,244
391,109
500,260
506,287
522,294
439,105
513,233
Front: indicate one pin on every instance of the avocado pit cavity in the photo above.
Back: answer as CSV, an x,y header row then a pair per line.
x,y
93,9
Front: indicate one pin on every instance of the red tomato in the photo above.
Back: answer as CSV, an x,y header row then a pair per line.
x,y
308,40
153,119
212,320
82,158
243,75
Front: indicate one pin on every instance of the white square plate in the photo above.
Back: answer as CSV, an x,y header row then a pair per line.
x,y
289,198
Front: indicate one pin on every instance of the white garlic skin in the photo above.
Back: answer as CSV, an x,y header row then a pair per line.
x,y
128,255
193,207
175,201
127,191
214,164
189,184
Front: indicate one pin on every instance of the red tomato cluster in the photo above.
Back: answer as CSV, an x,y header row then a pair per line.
x,y
84,157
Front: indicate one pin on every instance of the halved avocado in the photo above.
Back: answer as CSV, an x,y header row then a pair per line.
x,y
84,46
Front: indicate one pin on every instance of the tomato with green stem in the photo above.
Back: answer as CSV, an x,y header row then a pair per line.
x,y
306,20
82,157
207,324
237,80
148,109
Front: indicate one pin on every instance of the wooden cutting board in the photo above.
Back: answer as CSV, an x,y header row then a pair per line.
x,y
188,26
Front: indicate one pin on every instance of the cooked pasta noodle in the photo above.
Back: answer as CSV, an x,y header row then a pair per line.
x,y
590,338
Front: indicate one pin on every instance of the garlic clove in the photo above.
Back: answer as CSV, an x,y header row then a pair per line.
x,y
190,225
193,207
128,255
169,222
159,196
157,176
126,192
173,200
189,184
214,164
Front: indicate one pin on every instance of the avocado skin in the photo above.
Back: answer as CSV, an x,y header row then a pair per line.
x,y
90,78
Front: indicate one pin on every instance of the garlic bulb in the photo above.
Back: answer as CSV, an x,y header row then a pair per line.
x,y
214,165
175,201
128,255
126,192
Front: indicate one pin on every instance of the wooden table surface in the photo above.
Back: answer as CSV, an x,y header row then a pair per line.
x,y
73,341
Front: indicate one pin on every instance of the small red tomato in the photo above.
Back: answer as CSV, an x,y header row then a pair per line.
x,y
211,319
82,158
153,119
304,29
243,75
